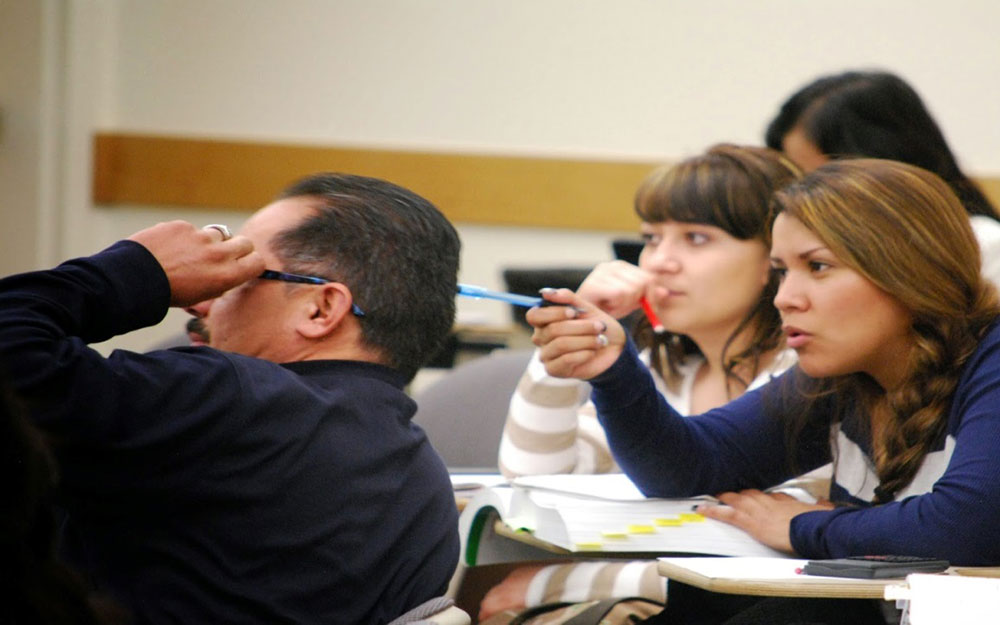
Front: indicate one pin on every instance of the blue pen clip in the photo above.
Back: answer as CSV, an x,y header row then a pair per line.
x,y
469,290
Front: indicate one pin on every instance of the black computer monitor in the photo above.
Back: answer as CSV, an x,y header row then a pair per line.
x,y
627,249
527,281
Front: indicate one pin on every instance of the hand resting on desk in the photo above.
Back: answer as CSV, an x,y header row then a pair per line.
x,y
765,516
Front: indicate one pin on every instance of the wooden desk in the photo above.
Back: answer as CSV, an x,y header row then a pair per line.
x,y
776,577
769,577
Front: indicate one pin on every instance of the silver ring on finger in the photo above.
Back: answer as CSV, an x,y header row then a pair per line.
x,y
602,340
222,229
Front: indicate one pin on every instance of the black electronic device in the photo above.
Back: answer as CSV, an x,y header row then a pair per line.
x,y
627,249
874,567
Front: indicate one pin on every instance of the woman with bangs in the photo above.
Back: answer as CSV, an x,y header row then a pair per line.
x,y
705,272
897,384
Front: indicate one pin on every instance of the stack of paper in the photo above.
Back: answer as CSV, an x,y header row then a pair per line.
x,y
607,513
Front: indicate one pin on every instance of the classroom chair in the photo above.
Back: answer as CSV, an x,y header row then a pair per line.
x,y
463,412
627,249
527,281
437,611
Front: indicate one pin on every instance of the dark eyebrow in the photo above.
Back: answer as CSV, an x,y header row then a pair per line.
x,y
806,254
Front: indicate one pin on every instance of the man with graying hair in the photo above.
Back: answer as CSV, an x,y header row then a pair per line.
x,y
273,476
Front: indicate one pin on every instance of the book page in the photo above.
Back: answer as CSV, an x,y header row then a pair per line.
x,y
609,486
651,525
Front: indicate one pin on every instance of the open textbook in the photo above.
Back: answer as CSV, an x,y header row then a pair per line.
x,y
603,513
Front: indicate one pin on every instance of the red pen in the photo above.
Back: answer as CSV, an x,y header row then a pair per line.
x,y
651,315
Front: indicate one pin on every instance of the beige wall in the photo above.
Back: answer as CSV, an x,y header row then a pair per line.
x,y
649,79
26,101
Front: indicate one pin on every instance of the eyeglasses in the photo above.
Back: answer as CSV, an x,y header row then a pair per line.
x,y
300,279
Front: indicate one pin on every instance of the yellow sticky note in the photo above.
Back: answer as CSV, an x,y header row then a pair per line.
x,y
641,529
618,534
588,546
674,522
691,517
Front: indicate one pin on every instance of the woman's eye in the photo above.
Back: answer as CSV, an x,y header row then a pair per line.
x,y
650,239
779,272
696,238
817,266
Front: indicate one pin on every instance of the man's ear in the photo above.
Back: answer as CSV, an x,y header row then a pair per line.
x,y
325,310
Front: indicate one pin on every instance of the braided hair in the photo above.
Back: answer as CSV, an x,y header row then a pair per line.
x,y
903,229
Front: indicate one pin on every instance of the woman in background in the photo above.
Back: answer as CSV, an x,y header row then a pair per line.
x,y
898,384
879,115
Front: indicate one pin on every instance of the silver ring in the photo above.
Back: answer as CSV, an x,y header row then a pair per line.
x,y
223,230
602,340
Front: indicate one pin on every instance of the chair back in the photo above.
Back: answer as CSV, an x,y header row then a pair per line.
x,y
464,411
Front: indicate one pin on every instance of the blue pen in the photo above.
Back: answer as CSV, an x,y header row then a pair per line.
x,y
511,298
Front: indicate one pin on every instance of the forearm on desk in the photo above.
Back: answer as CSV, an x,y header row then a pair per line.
x,y
956,520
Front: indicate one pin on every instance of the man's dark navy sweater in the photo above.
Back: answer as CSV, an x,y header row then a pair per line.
x,y
208,487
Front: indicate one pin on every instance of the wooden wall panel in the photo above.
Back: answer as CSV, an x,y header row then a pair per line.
x,y
153,170
471,188
991,187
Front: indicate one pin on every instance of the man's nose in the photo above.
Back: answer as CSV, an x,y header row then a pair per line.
x,y
199,310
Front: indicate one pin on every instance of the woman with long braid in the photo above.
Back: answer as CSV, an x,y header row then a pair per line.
x,y
898,384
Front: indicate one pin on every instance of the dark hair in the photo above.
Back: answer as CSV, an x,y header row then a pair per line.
x,y
729,187
875,115
396,252
903,229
